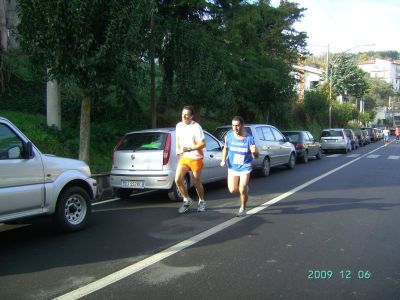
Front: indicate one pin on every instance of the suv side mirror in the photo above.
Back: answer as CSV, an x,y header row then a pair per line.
x,y
28,151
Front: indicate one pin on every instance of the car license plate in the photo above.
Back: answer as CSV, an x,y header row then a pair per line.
x,y
136,184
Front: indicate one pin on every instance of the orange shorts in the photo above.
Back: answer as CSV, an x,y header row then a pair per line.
x,y
192,164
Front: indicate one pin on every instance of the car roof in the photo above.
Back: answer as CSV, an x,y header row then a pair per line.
x,y
166,129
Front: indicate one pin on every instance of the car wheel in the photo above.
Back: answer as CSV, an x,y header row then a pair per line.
x,y
73,209
304,159
174,194
123,194
292,161
266,167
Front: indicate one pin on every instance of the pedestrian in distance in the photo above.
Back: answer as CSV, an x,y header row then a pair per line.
x,y
190,141
386,133
397,133
238,154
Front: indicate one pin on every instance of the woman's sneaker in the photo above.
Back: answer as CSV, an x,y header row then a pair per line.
x,y
241,212
185,206
202,206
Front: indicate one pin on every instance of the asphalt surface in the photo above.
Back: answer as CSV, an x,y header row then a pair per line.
x,y
327,229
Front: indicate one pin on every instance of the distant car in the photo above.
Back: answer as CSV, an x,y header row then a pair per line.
x,y
361,136
146,160
355,143
371,133
335,139
367,136
275,149
305,144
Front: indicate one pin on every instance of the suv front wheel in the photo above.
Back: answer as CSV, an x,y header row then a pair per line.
x,y
73,209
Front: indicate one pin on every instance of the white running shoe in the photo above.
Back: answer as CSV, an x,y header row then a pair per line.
x,y
241,212
185,206
202,206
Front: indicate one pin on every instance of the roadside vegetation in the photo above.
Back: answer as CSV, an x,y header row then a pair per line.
x,y
125,71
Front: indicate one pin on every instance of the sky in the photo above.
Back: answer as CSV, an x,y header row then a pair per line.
x,y
350,24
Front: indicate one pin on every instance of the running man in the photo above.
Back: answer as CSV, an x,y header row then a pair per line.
x,y
190,141
239,151
386,133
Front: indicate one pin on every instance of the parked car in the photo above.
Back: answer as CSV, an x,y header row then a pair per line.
x,y
335,139
355,143
275,149
147,160
367,136
304,143
35,184
360,134
371,134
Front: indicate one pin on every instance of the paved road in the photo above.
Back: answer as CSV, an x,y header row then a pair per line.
x,y
327,229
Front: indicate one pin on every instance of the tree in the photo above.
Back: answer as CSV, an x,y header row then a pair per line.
x,y
346,77
343,113
316,105
87,44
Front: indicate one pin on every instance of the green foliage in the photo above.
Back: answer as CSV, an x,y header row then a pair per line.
x,y
346,77
342,113
316,105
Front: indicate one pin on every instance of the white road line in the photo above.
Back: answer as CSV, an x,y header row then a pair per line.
x,y
354,155
373,155
393,157
136,267
334,155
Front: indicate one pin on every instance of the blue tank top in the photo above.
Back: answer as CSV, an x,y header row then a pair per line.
x,y
239,155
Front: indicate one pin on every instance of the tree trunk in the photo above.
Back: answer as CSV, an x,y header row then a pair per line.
x,y
3,25
84,134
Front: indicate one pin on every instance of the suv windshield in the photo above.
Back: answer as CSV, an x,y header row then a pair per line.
x,y
143,141
327,133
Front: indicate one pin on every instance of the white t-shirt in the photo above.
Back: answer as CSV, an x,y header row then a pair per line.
x,y
386,132
189,136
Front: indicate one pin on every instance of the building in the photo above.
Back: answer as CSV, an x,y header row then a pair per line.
x,y
385,70
308,78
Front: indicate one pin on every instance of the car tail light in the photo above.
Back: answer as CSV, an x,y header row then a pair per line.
x,y
115,149
299,146
167,149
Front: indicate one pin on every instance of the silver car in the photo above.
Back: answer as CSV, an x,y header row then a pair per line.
x,y
275,149
335,139
36,184
146,160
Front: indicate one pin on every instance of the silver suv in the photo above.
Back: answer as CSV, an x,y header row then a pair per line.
x,y
33,184
275,149
146,160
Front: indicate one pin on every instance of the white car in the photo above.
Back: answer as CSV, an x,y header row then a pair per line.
x,y
147,160
35,184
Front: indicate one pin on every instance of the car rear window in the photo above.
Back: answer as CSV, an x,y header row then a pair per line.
x,y
327,133
221,132
293,136
143,141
